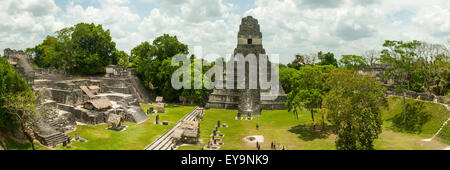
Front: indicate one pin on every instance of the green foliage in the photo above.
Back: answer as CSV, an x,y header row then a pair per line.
x,y
353,105
418,79
93,48
122,57
307,88
84,48
439,114
153,65
287,78
301,60
352,61
402,59
198,96
11,84
327,59
445,134
442,74
49,53
415,118
168,46
11,144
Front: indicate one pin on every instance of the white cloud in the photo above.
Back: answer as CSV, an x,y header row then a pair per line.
x,y
24,23
200,10
356,23
214,35
288,26
112,14
435,20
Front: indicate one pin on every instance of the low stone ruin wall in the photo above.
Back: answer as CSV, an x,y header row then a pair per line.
x,y
124,90
88,116
423,96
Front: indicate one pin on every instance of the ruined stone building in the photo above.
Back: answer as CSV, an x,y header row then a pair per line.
x,y
248,100
87,100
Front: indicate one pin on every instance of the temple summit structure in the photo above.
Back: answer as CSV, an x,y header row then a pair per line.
x,y
248,101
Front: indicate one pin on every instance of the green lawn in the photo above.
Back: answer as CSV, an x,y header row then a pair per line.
x,y
282,127
135,137
444,136
279,126
439,114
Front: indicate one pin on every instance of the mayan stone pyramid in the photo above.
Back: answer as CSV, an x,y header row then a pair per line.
x,y
247,101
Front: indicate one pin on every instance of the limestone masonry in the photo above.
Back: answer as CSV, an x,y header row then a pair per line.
x,y
247,100
87,100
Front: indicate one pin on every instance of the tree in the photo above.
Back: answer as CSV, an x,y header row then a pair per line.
x,y
168,46
49,53
197,96
401,58
308,89
21,106
123,58
153,64
371,57
16,101
442,66
429,57
287,77
93,48
352,62
84,48
353,105
302,60
327,59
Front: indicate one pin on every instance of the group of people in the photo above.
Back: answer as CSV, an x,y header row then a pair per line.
x,y
273,146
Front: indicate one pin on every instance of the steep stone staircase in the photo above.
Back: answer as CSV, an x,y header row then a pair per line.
x,y
54,139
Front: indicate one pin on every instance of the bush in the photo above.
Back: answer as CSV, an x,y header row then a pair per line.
x,y
415,118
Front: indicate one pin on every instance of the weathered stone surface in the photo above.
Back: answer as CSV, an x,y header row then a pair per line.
x,y
48,136
426,96
443,99
248,100
60,120
411,94
64,96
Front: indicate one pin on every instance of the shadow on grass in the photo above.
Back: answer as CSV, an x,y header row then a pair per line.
x,y
307,133
14,145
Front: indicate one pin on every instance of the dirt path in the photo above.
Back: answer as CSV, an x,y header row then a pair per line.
x,y
434,135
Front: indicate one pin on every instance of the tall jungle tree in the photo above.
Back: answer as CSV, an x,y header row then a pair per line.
x,y
353,106
402,60
308,89
16,102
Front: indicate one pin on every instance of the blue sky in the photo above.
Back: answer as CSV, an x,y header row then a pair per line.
x,y
288,26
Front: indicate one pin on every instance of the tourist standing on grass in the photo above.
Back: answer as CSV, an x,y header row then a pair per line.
x,y
157,119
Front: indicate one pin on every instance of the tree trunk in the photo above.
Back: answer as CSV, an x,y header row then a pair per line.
x,y
312,116
323,122
404,106
28,135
